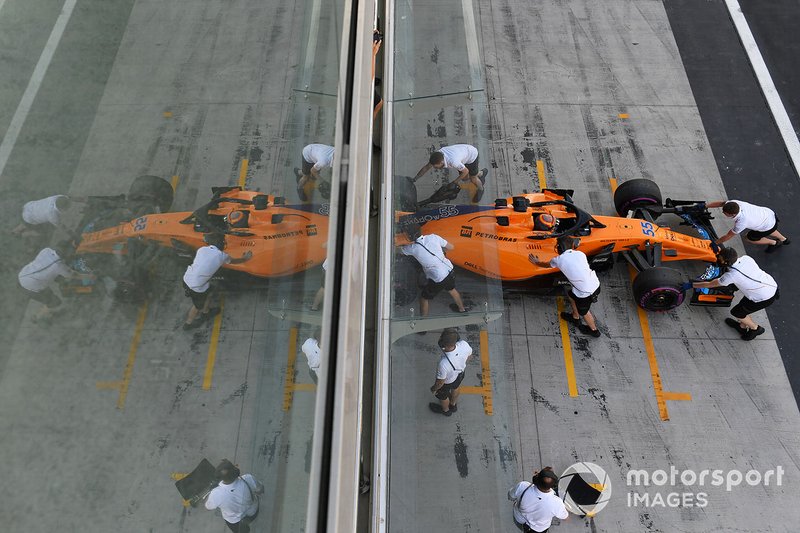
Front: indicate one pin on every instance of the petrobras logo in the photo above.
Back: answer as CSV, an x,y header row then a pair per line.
x,y
584,488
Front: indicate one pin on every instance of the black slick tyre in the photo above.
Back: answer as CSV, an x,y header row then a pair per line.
x,y
658,289
636,193
151,190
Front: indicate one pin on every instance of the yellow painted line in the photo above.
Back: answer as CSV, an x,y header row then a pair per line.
x,y
108,385
288,387
486,376
540,173
613,182
651,358
308,387
167,114
678,396
175,181
243,173
126,376
471,390
624,115
212,349
569,366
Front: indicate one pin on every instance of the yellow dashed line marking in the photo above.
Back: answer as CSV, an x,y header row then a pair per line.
x,y
541,174
290,386
623,115
167,114
243,173
123,384
212,349
485,389
569,366
175,181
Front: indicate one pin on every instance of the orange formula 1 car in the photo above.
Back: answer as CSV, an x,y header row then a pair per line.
x,y
121,236
495,241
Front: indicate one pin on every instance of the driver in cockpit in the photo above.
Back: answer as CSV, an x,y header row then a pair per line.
x,y
238,219
545,222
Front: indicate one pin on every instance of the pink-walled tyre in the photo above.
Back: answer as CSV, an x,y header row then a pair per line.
x,y
659,289
636,193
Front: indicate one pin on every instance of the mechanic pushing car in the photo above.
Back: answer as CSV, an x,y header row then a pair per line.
x,y
463,158
585,285
197,279
759,288
761,222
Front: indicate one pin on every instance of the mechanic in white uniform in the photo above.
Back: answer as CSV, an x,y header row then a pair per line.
x,y
45,211
37,276
761,221
463,158
536,504
197,279
585,285
428,250
313,354
759,289
449,372
315,158
236,497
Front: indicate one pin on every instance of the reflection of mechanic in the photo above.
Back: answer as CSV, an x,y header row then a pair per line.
x,y
585,285
758,287
463,158
315,158
761,221
35,277
45,211
313,354
197,279
449,372
428,250
320,296
536,504
236,497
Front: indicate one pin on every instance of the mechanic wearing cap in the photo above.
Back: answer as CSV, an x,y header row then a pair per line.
x,y
585,285
236,497
197,279
315,158
761,221
449,372
428,250
463,158
758,287
536,504
37,276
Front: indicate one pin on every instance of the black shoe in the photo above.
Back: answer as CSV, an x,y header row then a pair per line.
x,y
454,308
772,247
752,333
786,242
586,330
736,325
298,173
436,408
453,408
482,176
192,325
571,319
214,311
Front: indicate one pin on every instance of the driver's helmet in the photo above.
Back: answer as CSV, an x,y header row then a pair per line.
x,y
545,222
237,219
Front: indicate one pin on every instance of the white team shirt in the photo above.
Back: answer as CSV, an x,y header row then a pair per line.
x,y
429,251
761,287
42,211
207,261
234,500
39,273
574,265
458,357
536,508
753,217
458,155
312,350
319,154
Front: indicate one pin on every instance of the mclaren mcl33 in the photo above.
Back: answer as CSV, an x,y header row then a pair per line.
x,y
496,241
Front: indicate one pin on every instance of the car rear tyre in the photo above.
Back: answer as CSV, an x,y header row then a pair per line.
x,y
636,193
153,190
658,289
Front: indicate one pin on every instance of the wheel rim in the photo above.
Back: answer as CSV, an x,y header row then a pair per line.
x,y
661,299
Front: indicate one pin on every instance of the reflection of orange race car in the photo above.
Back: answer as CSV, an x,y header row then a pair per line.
x,y
121,236
496,241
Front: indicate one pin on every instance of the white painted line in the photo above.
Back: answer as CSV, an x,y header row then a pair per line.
x,y
35,82
767,85
2,3
471,37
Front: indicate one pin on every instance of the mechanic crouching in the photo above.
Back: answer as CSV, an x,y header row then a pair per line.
x,y
197,279
585,285
758,287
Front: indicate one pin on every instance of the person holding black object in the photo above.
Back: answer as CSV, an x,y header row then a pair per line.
x,y
236,497
536,503
449,372
759,288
